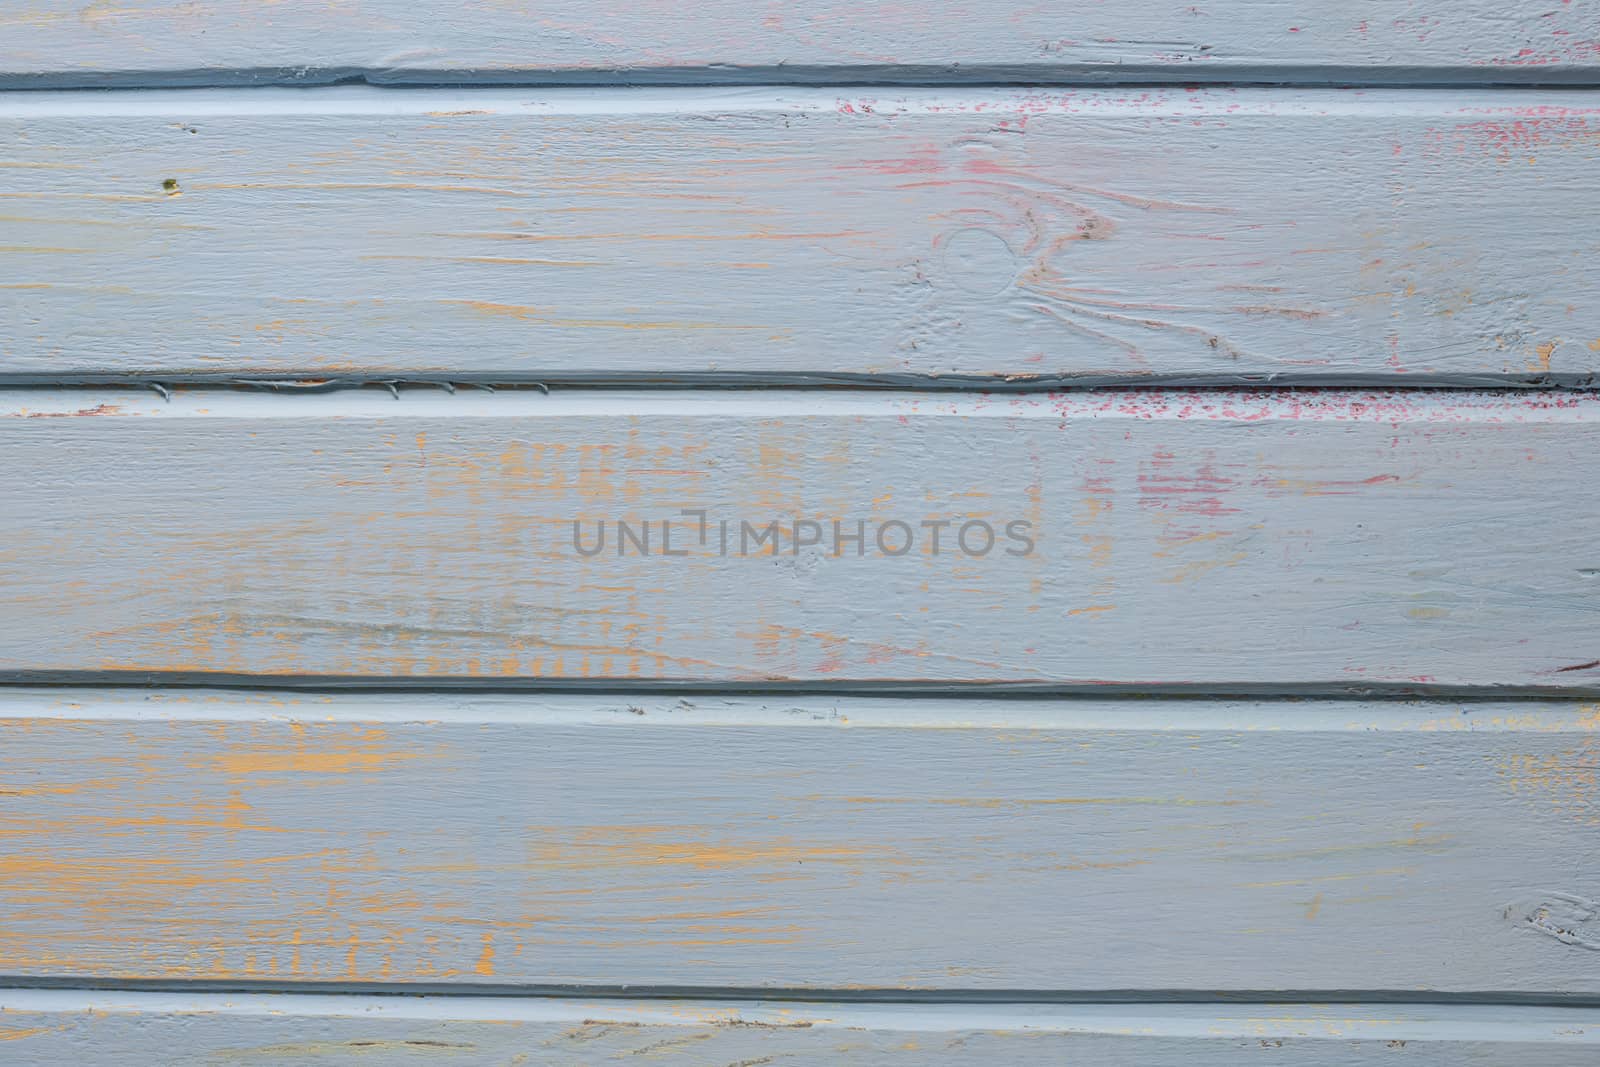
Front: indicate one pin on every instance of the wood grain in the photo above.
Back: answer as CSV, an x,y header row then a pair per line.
x,y
73,42
809,235
545,842
75,1029
1318,540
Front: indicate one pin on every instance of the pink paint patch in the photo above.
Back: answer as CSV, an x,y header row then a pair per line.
x,y
1396,407
1163,487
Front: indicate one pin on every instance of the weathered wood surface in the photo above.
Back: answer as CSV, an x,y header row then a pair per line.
x,y
553,235
542,842
75,1029
1310,539
76,42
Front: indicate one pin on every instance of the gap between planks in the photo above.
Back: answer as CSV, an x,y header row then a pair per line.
x,y
163,384
864,76
1222,404
475,1000
14,681
1117,99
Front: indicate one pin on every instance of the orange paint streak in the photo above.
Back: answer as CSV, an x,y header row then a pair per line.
x,y
598,847
17,1034
314,749
98,409
310,762
539,316
485,964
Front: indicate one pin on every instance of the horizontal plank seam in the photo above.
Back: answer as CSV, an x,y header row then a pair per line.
x,y
531,991
1122,76
310,382
1328,690
1212,403
1111,98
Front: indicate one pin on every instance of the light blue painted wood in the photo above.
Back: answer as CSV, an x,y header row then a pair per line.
x,y
963,846
1315,541
974,235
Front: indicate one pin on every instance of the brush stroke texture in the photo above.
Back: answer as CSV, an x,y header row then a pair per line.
x,y
504,842
1013,236
1201,539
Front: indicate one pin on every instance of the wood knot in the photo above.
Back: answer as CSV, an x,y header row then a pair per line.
x,y
1567,917
980,262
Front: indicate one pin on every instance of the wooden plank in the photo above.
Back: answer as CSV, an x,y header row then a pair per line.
x,y
1311,235
546,842
67,42
76,1029
1318,540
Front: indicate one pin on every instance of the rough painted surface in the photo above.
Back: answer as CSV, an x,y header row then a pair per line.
x,y
818,843
76,42
1205,538
71,1029
1193,235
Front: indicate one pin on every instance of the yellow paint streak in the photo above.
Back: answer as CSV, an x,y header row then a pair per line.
x,y
485,965
489,260
391,1051
100,885
1030,802
59,789
1190,571
1587,721
115,198
656,846
1564,779
1417,840
19,1033
395,186
309,762
756,236
1387,872
539,317
1172,542
362,750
